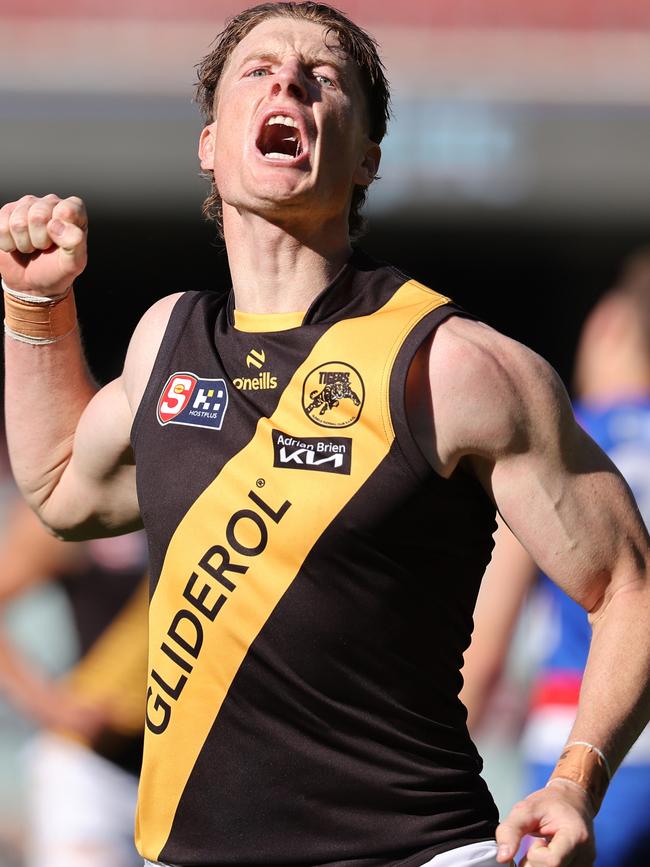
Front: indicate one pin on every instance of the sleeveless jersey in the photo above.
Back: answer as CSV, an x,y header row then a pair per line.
x,y
313,582
109,599
622,430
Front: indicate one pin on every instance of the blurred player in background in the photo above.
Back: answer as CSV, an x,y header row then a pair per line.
x,y
83,766
612,384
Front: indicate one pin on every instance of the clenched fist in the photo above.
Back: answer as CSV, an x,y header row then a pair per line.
x,y
42,244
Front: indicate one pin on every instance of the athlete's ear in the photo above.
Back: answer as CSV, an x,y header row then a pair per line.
x,y
206,147
369,166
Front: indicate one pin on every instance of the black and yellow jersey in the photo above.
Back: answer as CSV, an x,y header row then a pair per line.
x,y
313,582
108,595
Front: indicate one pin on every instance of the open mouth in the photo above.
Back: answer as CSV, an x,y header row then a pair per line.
x,y
280,138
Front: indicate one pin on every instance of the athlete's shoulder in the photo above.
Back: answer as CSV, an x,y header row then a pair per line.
x,y
144,346
489,392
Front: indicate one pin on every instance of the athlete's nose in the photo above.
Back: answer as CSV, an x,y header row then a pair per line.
x,y
290,79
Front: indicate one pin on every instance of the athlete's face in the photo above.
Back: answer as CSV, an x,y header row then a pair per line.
x,y
289,138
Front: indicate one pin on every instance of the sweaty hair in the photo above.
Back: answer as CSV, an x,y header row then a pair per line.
x,y
358,45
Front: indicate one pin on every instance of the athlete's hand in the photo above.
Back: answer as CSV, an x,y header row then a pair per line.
x,y
42,244
561,818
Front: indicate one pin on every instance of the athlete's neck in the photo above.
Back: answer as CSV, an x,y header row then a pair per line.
x,y
277,269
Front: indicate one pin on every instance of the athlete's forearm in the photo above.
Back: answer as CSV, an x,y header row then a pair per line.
x,y
614,703
508,578
47,388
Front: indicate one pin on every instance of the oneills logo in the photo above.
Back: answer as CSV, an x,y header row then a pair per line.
x,y
333,394
264,381
255,358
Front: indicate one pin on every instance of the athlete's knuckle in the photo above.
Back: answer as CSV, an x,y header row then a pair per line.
x,y
18,222
75,204
38,215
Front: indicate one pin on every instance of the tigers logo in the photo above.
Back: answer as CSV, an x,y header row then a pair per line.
x,y
333,394
189,400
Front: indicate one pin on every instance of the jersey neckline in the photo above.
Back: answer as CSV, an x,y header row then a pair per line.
x,y
254,323
339,298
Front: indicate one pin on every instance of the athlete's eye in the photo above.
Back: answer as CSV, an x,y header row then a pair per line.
x,y
257,73
324,80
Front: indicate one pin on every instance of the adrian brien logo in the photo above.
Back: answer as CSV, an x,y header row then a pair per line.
x,y
187,399
324,454
333,394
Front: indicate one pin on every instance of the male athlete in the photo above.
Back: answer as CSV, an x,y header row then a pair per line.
x,y
612,383
318,476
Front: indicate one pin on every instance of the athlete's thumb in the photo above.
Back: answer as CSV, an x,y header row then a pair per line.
x,y
71,241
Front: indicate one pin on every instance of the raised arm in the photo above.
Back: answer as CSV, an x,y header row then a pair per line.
x,y
571,509
68,440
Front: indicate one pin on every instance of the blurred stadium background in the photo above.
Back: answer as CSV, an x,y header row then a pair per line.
x,y
515,176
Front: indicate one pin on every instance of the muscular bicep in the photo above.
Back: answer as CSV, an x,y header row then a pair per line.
x,y
562,496
96,494
500,409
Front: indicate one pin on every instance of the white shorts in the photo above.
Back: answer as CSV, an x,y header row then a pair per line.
x,y
80,807
474,855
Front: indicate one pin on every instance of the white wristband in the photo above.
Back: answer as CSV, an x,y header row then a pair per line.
x,y
36,341
32,299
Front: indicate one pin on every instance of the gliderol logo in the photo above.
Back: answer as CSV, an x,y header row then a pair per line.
x,y
189,400
324,454
333,394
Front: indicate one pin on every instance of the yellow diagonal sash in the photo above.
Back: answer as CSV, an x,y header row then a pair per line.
x,y
239,614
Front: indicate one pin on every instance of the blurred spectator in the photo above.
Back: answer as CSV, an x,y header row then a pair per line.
x,y
612,382
83,766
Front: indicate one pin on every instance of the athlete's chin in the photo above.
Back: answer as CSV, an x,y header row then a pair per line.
x,y
280,185
284,198
276,197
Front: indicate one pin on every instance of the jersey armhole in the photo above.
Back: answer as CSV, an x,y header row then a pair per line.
x,y
178,318
404,438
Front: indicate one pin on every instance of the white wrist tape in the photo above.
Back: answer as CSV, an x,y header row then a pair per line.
x,y
33,299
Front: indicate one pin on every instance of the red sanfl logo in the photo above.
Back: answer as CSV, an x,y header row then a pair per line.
x,y
175,396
